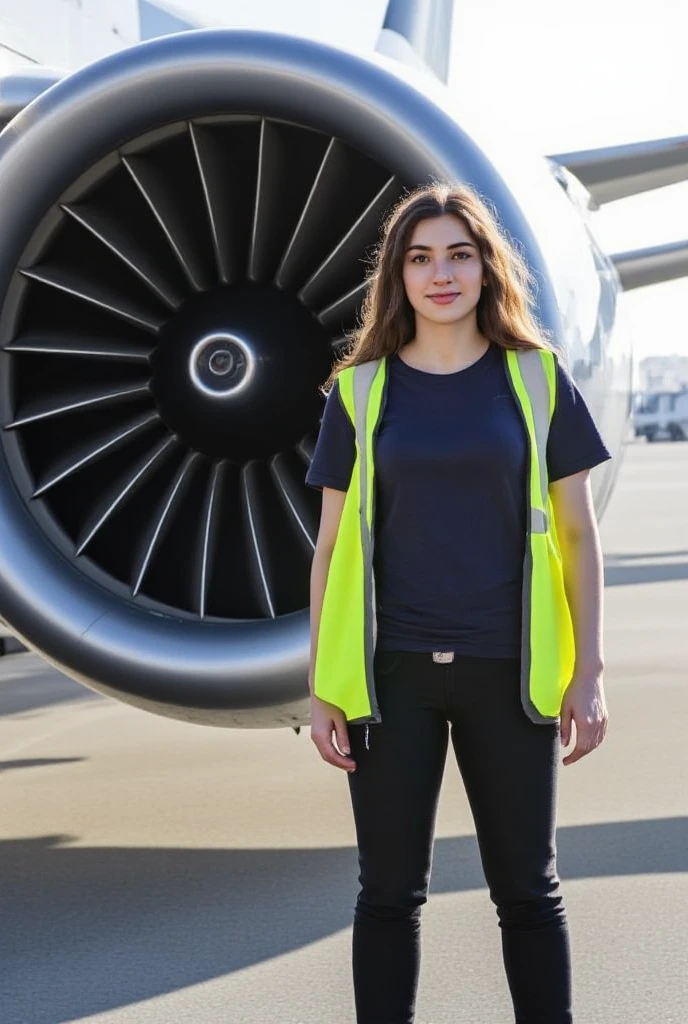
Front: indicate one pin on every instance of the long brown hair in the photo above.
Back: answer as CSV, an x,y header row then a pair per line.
x,y
505,312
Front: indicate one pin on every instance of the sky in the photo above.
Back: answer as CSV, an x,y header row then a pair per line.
x,y
573,75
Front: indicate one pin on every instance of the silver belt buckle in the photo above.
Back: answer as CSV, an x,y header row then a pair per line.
x,y
443,657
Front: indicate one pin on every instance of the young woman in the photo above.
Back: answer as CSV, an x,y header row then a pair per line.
x,y
458,570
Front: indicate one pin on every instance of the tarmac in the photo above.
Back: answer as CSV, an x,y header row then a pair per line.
x,y
154,872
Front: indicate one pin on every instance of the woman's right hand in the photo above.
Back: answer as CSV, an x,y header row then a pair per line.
x,y
326,720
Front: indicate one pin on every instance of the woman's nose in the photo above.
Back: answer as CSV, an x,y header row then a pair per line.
x,y
442,271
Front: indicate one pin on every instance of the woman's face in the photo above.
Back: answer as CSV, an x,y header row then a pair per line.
x,y
443,270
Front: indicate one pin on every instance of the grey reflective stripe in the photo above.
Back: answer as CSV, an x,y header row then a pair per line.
x,y
538,520
363,376
526,615
535,380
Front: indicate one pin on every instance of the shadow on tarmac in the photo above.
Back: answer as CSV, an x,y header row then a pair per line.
x,y
28,683
86,930
37,762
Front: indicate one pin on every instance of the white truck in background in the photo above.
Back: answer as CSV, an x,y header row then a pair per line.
x,y
662,415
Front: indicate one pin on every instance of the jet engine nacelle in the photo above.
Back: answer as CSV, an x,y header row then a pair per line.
x,y
185,229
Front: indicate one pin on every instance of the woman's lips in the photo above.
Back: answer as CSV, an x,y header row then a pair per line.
x,y
444,300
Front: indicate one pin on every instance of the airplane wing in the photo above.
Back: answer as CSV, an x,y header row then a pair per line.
x,y
615,172
653,265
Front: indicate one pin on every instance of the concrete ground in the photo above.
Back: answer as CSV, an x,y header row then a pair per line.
x,y
159,873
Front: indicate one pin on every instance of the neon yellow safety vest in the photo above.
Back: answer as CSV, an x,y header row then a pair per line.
x,y
347,634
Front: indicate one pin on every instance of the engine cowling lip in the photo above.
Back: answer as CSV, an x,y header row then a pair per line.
x,y
47,602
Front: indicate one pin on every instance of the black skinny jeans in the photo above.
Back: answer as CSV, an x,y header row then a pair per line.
x,y
509,770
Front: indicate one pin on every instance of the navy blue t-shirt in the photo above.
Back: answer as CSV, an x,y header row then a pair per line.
x,y
450,508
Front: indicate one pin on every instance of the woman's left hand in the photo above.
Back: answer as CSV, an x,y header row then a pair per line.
x,y
585,705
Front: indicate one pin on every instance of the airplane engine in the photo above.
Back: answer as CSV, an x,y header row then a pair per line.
x,y
186,227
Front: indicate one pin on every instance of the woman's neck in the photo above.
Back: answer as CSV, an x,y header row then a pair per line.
x,y
444,350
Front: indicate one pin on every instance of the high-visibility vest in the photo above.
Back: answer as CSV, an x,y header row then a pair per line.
x,y
347,633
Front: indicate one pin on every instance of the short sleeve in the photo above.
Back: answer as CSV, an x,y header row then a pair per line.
x,y
574,442
335,449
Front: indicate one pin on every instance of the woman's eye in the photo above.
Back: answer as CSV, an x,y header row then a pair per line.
x,y
421,258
